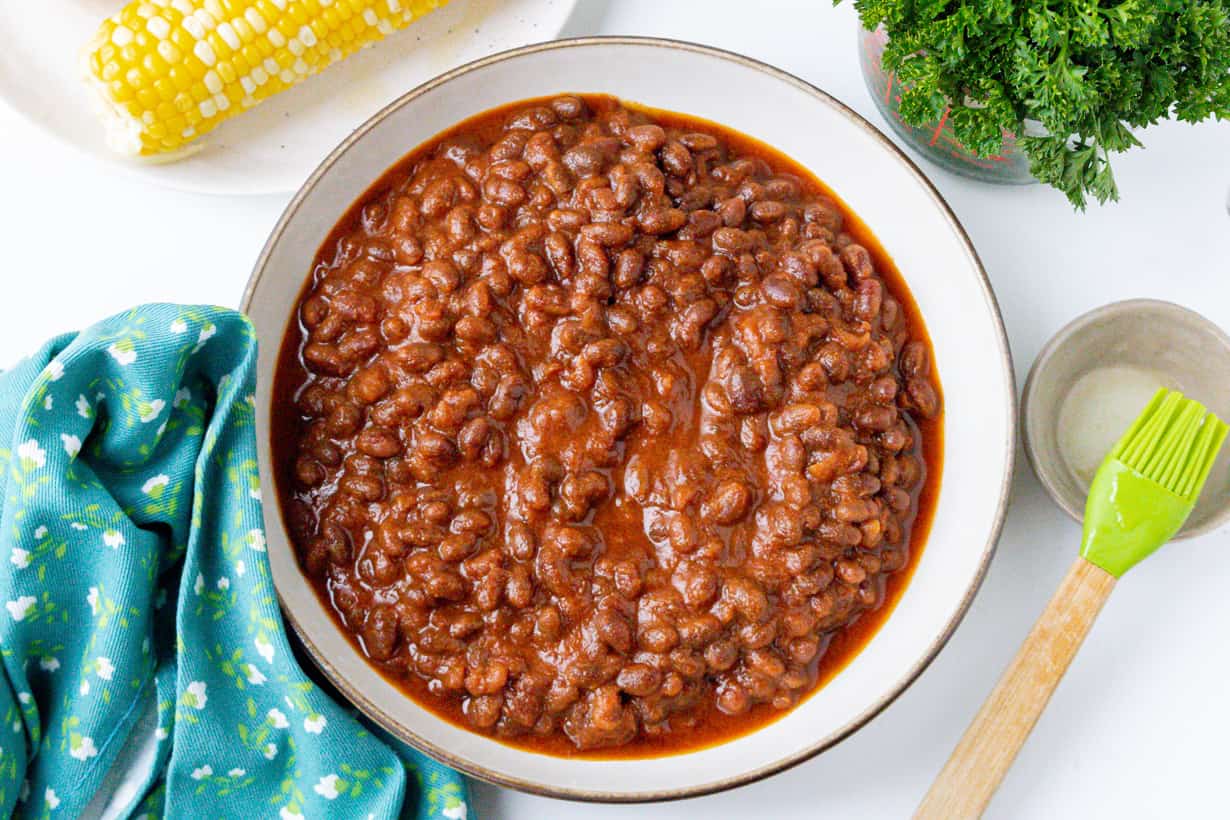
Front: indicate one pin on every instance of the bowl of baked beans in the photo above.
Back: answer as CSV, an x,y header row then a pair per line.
x,y
637,420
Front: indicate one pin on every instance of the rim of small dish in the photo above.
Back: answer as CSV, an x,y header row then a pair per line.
x,y
376,713
1046,476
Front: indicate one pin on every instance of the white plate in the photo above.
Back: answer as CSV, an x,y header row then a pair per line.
x,y
273,147
914,225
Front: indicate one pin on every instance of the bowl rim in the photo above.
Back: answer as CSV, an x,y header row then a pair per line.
x,y
1046,476
405,734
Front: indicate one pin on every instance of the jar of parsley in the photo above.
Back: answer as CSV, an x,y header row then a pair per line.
x,y
936,139
1021,90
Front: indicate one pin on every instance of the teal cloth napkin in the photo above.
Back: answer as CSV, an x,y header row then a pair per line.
x,y
134,581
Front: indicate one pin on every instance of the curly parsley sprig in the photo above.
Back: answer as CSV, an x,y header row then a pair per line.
x,y
1086,71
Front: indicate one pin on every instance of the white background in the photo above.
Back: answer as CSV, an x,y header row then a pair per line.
x,y
1138,728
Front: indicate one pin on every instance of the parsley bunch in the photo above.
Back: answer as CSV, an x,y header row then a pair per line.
x,y
1087,70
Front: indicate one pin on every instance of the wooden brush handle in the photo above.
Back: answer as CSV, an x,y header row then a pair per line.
x,y
986,751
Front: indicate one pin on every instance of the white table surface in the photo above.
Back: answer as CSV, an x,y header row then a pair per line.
x,y
1138,728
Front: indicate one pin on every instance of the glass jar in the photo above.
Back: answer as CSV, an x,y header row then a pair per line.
x,y
936,141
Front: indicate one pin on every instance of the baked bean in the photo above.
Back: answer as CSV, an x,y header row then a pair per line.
x,y
639,680
745,391
922,396
660,638
308,472
721,655
477,329
368,385
787,188
608,234
868,299
701,224
534,118
362,487
729,503
380,633
661,220
696,141
584,160
857,261
876,418
733,211
378,442
915,361
883,389
647,138
731,240
568,108
687,664
482,712
733,699
781,292
604,424
326,452
768,212
676,159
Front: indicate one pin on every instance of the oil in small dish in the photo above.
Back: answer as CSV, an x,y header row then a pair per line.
x,y
1096,411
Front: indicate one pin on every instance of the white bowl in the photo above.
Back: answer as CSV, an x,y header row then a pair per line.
x,y
915,226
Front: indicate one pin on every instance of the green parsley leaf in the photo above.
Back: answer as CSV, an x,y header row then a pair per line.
x,y
1086,71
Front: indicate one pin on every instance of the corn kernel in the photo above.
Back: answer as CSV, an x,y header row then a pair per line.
x,y
165,89
181,77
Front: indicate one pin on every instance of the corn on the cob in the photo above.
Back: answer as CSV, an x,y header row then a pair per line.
x,y
169,71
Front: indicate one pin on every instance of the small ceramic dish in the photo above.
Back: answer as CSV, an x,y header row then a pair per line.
x,y
1177,347
913,223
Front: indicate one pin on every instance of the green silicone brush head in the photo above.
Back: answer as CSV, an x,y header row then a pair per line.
x,y
1173,443
1148,485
